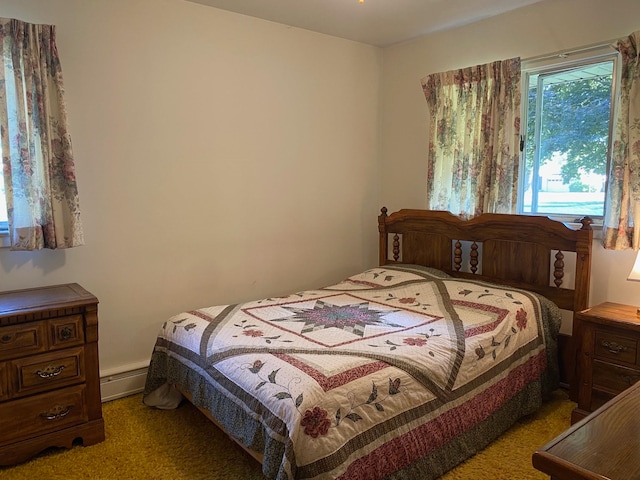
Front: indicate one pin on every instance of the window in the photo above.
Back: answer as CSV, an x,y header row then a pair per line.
x,y
567,119
45,210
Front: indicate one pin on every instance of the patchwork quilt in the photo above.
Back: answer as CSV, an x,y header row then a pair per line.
x,y
397,372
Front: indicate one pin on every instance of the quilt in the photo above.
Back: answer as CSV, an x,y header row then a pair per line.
x,y
395,372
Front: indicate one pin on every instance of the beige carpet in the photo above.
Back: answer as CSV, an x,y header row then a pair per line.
x,y
146,444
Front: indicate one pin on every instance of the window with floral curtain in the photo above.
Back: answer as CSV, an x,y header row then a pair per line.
x,y
38,168
621,228
474,138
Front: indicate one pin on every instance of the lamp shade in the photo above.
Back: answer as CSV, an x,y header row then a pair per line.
x,y
634,275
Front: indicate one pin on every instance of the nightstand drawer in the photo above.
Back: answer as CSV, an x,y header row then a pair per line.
x,y
50,370
614,378
616,348
40,414
21,340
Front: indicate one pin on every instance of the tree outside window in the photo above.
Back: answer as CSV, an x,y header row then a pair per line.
x,y
568,117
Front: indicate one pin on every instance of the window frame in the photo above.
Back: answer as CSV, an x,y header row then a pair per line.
x,y
4,224
557,63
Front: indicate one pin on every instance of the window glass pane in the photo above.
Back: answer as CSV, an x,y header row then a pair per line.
x,y
567,138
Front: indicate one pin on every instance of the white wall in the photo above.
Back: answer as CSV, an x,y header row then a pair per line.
x,y
219,158
542,28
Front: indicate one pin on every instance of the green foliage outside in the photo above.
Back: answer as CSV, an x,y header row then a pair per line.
x,y
574,122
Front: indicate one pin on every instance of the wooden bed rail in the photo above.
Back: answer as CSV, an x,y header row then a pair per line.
x,y
521,251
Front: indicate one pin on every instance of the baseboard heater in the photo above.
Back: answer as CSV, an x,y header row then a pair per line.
x,y
122,384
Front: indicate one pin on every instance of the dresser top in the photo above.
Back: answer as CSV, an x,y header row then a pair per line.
x,y
22,302
606,444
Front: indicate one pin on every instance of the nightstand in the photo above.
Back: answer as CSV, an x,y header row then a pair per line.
x,y
607,339
49,376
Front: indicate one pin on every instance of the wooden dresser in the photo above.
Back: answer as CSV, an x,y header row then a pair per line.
x,y
608,362
49,376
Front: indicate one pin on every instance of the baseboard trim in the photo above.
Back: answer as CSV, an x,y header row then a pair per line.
x,y
122,384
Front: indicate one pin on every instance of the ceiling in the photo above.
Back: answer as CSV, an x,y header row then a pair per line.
x,y
375,22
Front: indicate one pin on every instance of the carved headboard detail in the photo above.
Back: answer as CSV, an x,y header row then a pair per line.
x,y
521,251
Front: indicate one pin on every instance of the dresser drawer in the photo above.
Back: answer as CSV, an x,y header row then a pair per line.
x,y
65,332
41,414
21,340
49,370
614,378
616,348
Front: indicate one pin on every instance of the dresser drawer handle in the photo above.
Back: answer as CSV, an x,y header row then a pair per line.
x,y
66,333
56,413
614,347
6,338
50,371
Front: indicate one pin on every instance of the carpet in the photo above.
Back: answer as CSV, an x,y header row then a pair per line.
x,y
147,444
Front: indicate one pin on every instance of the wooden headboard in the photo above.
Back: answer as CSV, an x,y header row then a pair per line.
x,y
521,251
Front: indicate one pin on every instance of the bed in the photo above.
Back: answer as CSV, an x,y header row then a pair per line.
x,y
401,371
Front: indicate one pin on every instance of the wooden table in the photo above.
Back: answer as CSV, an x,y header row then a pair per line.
x,y
603,445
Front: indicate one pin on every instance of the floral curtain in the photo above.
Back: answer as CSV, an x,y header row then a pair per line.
x,y
621,226
37,159
474,135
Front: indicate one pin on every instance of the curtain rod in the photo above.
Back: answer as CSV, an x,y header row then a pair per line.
x,y
567,53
